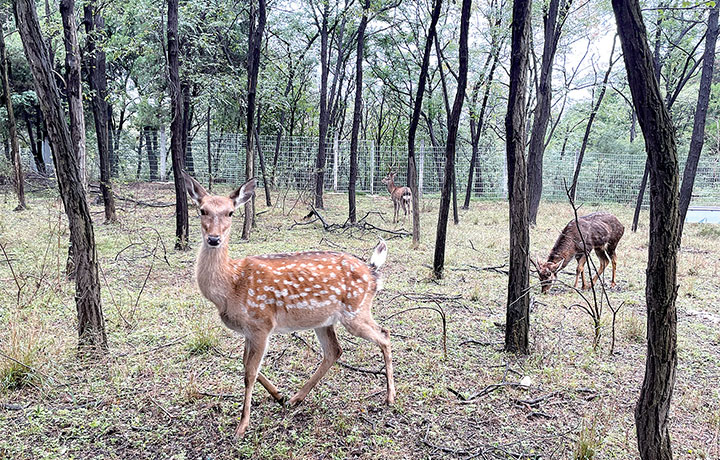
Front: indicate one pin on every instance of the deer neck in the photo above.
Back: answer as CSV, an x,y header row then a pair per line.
x,y
213,272
391,187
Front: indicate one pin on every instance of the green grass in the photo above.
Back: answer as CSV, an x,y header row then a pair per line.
x,y
171,386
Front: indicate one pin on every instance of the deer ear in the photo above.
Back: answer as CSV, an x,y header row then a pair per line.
x,y
244,193
193,187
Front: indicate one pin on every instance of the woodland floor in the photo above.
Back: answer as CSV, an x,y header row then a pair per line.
x,y
171,386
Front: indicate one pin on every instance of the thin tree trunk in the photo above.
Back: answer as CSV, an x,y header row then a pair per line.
x,y
209,152
176,127
453,123
641,195
254,44
652,410
517,321
553,20
415,119
187,122
97,79
91,324
139,154
357,113
324,114
73,85
12,129
698,133
261,157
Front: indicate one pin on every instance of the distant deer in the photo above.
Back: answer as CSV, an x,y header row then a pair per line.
x,y
279,293
401,196
600,230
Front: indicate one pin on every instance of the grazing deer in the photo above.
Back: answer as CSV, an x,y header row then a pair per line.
x,y
600,230
401,196
279,293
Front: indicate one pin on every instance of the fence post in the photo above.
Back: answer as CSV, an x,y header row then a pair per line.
x,y
421,166
336,157
372,168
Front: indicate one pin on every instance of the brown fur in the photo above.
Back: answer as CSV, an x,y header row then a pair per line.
x,y
401,196
258,296
600,230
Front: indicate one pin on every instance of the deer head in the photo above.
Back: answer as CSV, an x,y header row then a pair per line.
x,y
390,178
547,272
216,211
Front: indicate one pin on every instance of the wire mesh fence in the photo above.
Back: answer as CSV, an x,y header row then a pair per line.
x,y
291,163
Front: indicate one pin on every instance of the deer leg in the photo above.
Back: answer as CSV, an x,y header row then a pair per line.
x,y
331,353
581,271
603,263
267,384
397,211
254,351
613,258
368,329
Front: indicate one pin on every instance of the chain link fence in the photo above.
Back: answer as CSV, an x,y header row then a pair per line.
x,y
290,163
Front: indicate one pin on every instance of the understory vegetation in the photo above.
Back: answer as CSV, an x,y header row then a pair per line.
x,y
171,386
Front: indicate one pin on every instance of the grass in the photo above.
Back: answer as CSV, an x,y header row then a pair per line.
x,y
172,384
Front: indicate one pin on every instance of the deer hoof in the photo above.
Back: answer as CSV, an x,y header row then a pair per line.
x,y
241,429
296,400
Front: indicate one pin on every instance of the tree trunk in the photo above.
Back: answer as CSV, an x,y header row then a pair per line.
x,y
324,115
261,157
453,123
651,412
176,127
209,152
517,322
698,133
97,79
73,85
91,324
35,144
12,129
254,44
187,123
139,154
415,119
357,112
641,195
152,153
553,20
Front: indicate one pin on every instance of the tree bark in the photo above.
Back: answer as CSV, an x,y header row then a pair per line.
x,y
91,324
453,123
73,85
517,322
553,20
415,119
698,134
651,412
12,128
357,112
97,80
254,44
176,127
324,114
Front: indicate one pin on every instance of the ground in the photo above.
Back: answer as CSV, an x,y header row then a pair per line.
x,y
171,386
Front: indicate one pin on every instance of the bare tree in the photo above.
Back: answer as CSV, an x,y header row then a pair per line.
x,y
97,79
453,123
91,324
518,303
415,119
651,412
698,133
253,64
357,112
12,129
553,19
176,127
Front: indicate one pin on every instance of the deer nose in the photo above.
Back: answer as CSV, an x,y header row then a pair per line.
x,y
213,240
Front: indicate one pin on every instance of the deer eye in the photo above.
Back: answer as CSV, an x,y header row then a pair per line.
x,y
230,214
203,212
